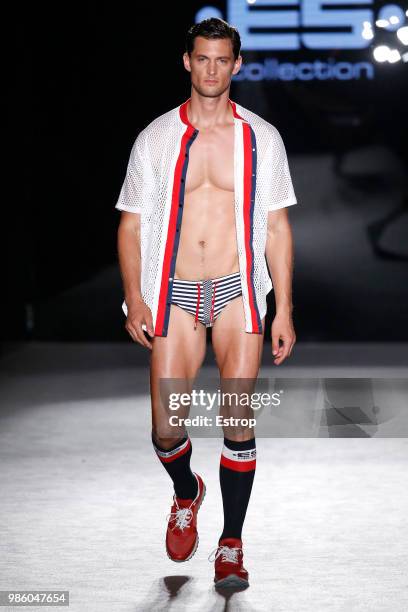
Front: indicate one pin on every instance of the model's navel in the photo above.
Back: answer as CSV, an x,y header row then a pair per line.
x,y
202,258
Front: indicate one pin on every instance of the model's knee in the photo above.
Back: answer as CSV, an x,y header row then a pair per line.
x,y
245,369
239,434
248,373
166,438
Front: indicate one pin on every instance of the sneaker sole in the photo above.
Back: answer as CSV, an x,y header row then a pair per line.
x,y
197,540
231,581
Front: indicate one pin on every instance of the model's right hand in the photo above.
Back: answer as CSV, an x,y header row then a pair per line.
x,y
138,314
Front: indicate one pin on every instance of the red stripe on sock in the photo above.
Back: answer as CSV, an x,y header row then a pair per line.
x,y
176,455
238,466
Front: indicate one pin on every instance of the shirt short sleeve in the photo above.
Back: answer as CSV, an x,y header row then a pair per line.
x,y
276,178
131,193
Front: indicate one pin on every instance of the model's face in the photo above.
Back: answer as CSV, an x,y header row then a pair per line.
x,y
211,65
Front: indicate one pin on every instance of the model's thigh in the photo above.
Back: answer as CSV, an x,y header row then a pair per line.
x,y
174,363
238,355
237,352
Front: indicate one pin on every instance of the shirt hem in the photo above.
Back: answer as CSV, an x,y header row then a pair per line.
x,y
282,204
132,209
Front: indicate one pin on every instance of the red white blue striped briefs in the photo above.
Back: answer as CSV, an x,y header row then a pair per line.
x,y
205,299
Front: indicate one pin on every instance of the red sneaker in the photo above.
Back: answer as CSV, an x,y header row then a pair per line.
x,y
229,570
181,535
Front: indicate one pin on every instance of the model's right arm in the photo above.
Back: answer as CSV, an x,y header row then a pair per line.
x,y
130,269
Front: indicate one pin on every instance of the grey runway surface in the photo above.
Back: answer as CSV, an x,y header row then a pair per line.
x,y
84,498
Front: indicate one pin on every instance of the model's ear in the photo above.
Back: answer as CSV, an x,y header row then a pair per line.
x,y
237,66
186,60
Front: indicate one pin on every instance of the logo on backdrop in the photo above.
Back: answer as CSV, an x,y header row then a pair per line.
x,y
293,25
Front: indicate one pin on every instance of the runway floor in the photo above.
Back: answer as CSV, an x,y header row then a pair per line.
x,y
84,497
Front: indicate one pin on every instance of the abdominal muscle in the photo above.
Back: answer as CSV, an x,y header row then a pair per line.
x,y
207,247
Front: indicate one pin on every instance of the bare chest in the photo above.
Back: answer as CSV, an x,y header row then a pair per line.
x,y
211,161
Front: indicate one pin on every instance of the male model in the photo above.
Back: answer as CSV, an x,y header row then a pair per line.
x,y
203,217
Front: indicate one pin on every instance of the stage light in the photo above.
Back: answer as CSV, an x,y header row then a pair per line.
x,y
402,34
381,53
394,56
390,17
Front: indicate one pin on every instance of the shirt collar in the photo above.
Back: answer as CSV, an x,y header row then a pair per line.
x,y
183,116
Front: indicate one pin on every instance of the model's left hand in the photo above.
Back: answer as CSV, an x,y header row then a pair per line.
x,y
282,329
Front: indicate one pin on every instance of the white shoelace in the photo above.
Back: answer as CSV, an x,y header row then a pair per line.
x,y
182,516
228,553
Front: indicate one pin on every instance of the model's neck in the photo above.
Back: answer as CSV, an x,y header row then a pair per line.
x,y
206,112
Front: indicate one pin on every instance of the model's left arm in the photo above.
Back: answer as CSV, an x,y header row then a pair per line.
x,y
279,249
279,255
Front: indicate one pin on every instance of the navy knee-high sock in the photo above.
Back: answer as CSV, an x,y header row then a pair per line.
x,y
237,471
176,461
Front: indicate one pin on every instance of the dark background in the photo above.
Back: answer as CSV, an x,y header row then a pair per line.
x,y
86,79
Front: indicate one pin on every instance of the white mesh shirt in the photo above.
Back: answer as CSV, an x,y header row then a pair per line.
x,y
154,188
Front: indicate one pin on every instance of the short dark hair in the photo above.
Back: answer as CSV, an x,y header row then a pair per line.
x,y
214,27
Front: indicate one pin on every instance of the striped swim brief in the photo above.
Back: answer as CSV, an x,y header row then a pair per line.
x,y
205,299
